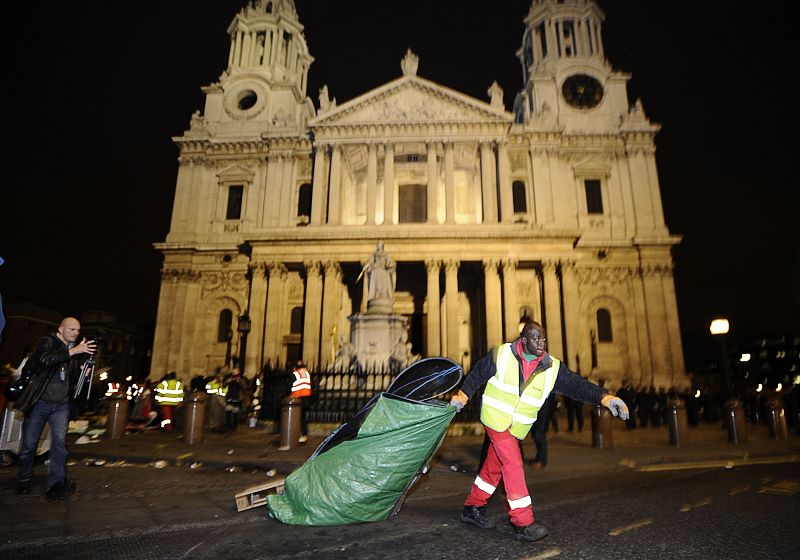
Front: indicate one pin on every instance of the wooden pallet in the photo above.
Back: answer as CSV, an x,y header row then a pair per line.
x,y
256,496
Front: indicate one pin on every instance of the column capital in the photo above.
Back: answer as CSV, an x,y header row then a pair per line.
x,y
510,264
259,268
277,269
313,268
332,267
490,265
549,265
433,265
451,266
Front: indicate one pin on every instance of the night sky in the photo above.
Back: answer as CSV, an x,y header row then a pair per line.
x,y
94,91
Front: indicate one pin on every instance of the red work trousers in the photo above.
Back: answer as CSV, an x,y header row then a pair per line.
x,y
503,462
166,412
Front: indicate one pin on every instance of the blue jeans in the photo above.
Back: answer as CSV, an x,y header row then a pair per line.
x,y
57,415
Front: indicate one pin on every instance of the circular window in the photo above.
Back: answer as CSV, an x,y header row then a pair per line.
x,y
247,100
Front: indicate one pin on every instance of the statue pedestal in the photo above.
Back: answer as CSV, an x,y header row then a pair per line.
x,y
374,336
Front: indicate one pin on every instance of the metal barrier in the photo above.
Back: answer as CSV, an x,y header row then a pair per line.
x,y
117,418
337,395
602,434
678,425
776,420
735,421
194,421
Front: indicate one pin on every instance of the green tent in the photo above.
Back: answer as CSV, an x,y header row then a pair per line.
x,y
365,478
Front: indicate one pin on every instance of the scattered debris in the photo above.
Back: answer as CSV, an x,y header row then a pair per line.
x,y
454,468
119,463
195,465
233,468
230,451
95,462
83,440
185,455
272,472
160,464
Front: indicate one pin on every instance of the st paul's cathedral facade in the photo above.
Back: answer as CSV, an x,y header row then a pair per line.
x,y
551,211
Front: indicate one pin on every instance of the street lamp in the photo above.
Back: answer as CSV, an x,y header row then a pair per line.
x,y
720,328
244,319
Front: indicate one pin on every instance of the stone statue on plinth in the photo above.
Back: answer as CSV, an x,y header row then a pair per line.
x,y
381,281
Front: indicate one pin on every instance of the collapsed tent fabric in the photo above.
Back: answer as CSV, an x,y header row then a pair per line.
x,y
364,478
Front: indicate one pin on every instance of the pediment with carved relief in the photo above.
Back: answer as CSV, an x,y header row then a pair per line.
x,y
411,99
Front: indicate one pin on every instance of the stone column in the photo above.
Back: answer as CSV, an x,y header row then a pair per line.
x,y
372,181
312,314
273,337
542,186
164,324
320,186
552,306
657,322
330,306
451,301
288,208
388,185
434,330
433,185
494,313
504,174
510,297
673,328
488,189
258,311
449,184
335,195
571,346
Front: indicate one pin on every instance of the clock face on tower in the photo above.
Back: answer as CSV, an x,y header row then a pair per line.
x,y
582,91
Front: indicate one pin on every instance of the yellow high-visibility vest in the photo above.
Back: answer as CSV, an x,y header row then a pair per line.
x,y
504,408
169,392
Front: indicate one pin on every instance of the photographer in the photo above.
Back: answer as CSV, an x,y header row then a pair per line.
x,y
56,362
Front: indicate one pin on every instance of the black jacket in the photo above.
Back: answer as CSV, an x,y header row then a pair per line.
x,y
568,383
46,360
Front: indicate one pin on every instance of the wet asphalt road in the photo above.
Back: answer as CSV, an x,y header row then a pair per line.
x,y
135,512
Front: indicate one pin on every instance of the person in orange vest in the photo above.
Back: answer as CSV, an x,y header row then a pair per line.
x,y
301,389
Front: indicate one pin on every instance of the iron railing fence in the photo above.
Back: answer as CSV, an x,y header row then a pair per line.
x,y
337,395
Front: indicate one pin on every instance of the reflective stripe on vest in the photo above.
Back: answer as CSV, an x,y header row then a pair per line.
x,y
169,392
503,407
302,383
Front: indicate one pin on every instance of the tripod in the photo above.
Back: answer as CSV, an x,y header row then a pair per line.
x,y
87,373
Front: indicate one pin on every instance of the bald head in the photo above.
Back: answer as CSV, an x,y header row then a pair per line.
x,y
533,339
69,329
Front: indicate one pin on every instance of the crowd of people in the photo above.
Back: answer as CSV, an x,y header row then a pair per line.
x,y
230,397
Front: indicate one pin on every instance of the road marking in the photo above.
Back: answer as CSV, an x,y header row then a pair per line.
x,y
739,490
546,554
701,503
782,488
619,530
726,463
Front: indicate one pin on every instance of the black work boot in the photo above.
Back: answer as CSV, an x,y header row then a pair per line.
x,y
477,516
530,533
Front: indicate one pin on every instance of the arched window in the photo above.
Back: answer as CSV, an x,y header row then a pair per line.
x,y
296,323
304,200
224,325
604,332
520,202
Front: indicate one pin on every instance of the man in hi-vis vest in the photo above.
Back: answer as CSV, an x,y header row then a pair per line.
x,y
518,376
